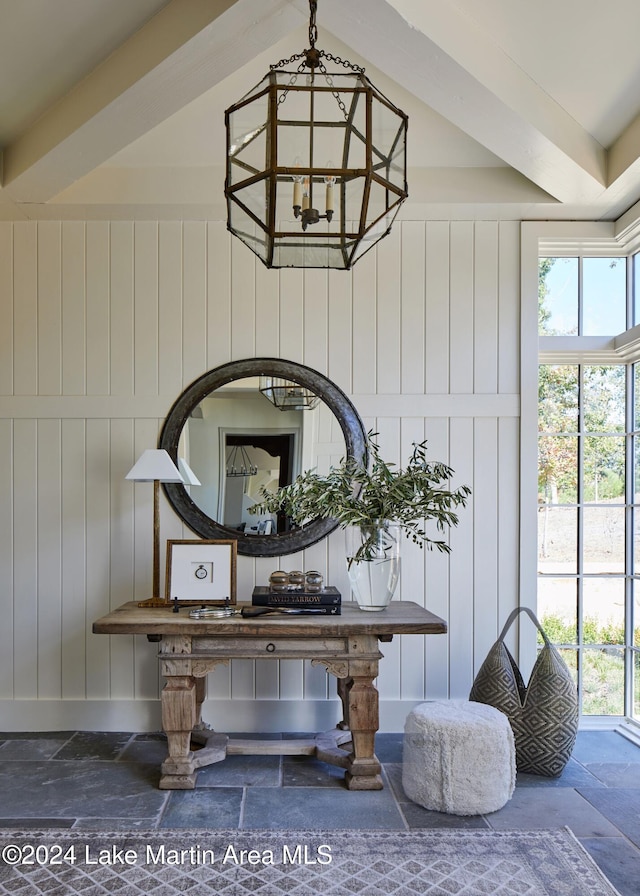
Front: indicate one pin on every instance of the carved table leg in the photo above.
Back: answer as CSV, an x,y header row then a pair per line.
x,y
201,694
344,686
364,768
178,719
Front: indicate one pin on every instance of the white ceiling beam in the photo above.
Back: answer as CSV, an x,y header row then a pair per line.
x,y
624,169
187,48
447,61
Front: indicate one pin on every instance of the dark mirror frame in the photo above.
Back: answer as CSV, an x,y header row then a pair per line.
x,y
177,495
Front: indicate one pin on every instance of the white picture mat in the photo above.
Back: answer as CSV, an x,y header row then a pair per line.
x,y
185,559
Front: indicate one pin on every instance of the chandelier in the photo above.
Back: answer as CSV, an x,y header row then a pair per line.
x,y
287,395
239,463
316,162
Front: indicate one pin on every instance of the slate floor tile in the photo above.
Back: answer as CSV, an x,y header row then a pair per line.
x,y
103,745
28,748
35,735
604,746
618,859
306,771
389,747
208,807
614,774
618,805
318,808
574,775
241,771
34,824
419,819
112,824
551,808
80,788
149,748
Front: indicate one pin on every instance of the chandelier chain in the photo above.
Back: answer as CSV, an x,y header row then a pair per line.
x,y
344,62
313,28
283,62
335,93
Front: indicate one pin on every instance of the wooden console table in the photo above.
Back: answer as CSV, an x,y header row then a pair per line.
x,y
346,645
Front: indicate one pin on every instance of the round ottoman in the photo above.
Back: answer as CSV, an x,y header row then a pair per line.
x,y
459,757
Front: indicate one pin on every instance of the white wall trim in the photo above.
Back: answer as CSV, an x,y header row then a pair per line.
x,y
142,716
530,236
467,405
73,407
80,715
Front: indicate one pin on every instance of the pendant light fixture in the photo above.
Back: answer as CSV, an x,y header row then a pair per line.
x,y
287,395
239,463
316,162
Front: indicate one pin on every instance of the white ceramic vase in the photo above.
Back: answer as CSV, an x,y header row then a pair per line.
x,y
373,563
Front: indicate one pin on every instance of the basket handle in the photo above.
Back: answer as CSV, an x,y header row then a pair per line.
x,y
533,618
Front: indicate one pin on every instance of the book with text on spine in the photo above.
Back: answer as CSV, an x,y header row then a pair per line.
x,y
263,596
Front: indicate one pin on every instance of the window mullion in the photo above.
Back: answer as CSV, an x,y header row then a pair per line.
x,y
580,530
630,522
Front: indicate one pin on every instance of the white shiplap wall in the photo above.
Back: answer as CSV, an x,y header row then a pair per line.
x,y
103,324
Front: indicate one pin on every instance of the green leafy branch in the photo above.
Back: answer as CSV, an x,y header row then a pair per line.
x,y
355,495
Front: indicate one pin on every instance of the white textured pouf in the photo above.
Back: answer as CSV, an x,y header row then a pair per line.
x,y
459,757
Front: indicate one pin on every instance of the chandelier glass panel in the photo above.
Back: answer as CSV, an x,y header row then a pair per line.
x,y
316,163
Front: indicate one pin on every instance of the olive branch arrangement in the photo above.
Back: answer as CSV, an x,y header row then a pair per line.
x,y
370,496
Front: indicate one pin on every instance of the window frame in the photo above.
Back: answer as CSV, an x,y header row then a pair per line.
x,y
570,239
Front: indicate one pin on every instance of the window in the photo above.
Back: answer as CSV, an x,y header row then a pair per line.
x,y
589,480
583,296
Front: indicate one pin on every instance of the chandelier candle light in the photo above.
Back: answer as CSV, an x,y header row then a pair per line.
x,y
286,197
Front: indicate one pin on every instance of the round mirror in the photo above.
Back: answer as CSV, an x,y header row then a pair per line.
x,y
253,423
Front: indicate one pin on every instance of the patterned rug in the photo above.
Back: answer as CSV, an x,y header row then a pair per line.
x,y
304,863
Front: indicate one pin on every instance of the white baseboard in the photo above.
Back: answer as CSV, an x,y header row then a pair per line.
x,y
141,716
80,715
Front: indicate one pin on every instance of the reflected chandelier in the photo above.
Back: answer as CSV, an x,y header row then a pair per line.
x,y
316,163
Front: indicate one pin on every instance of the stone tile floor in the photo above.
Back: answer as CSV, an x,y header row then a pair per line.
x,y
108,781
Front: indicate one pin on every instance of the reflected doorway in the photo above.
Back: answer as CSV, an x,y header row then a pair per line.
x,y
272,457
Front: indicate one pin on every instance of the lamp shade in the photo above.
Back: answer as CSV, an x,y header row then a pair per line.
x,y
188,475
154,464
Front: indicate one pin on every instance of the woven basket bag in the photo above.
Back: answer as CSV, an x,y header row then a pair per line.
x,y
543,714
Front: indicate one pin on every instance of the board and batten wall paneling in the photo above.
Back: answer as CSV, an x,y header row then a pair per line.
x,y
6,308
98,307
50,511
121,308
102,324
25,309
7,590
49,307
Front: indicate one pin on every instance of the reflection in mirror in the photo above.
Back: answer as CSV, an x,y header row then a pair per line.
x,y
254,461
237,442
237,439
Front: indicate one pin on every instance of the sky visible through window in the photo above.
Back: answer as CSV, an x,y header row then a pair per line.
x,y
603,297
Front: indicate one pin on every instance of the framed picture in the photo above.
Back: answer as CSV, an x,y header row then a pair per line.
x,y
201,572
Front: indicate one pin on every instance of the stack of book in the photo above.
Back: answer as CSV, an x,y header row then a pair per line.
x,y
326,601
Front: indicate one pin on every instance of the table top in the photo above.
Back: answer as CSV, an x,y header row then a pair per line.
x,y
399,618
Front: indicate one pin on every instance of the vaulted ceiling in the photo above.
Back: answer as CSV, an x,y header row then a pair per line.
x,y
517,110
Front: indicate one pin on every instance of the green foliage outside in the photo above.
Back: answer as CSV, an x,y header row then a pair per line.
x,y
600,438
603,407
603,664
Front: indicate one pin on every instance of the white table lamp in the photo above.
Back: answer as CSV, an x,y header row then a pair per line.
x,y
155,465
188,475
